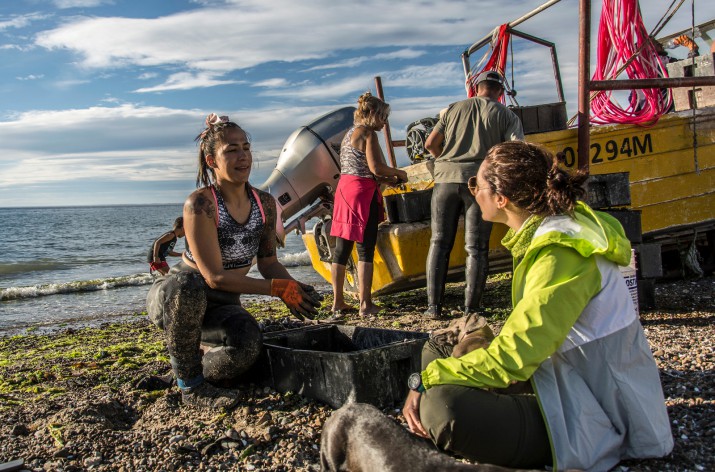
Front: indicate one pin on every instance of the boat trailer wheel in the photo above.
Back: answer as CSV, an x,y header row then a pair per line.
x,y
417,133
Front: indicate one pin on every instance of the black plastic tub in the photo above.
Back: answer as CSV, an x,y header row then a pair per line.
x,y
338,364
409,207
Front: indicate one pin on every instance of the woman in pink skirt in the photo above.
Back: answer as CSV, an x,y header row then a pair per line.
x,y
358,202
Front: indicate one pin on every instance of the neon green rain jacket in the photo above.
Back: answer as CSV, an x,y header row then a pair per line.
x,y
575,334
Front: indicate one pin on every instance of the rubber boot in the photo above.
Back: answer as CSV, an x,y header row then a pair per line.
x,y
437,266
476,277
434,312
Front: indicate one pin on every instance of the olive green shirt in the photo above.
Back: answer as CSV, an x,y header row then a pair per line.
x,y
470,128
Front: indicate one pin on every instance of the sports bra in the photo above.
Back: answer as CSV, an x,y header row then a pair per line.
x,y
238,242
164,249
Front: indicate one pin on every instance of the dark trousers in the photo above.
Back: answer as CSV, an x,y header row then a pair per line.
x,y
191,314
449,202
483,425
365,249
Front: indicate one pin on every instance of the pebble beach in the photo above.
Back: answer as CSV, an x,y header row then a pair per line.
x,y
93,398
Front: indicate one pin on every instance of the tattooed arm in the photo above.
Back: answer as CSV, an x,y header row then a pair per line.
x,y
202,238
268,264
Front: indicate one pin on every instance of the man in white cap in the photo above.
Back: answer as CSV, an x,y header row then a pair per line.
x,y
459,142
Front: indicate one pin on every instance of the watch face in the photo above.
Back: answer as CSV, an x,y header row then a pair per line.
x,y
414,381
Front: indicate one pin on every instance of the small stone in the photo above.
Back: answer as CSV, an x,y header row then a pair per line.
x,y
264,419
92,461
176,439
20,430
231,433
64,452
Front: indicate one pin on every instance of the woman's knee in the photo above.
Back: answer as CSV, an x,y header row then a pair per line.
x,y
438,414
230,325
343,248
236,339
175,294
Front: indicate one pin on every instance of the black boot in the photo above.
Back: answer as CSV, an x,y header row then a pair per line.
x,y
476,276
434,312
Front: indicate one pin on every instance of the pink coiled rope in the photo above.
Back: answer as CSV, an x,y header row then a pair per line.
x,y
621,36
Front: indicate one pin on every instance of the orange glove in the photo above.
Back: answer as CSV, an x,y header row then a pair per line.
x,y
301,304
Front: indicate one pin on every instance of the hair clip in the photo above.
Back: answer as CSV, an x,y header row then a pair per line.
x,y
212,120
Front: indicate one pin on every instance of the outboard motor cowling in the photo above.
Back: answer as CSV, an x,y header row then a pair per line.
x,y
309,164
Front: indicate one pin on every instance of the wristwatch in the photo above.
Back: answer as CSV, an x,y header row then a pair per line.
x,y
414,381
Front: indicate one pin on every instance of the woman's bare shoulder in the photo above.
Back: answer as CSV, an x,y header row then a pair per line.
x,y
360,136
200,201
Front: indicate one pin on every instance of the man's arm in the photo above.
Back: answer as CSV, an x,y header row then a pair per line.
x,y
434,143
514,131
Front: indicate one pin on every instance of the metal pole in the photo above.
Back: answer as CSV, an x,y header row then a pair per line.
x,y
671,82
554,58
386,129
511,24
584,73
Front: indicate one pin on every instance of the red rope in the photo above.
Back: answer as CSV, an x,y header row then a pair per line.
x,y
497,60
621,34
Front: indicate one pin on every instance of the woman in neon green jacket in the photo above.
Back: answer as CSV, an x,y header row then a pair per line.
x,y
573,334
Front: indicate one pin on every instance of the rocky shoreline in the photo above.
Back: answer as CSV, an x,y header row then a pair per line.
x,y
93,399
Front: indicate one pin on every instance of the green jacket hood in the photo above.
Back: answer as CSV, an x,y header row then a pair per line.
x,y
587,231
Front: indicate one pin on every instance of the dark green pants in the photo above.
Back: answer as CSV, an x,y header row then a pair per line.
x,y
482,425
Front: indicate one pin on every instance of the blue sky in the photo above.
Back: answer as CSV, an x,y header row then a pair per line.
x,y
101,99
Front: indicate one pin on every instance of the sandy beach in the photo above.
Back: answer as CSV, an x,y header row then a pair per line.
x,y
79,399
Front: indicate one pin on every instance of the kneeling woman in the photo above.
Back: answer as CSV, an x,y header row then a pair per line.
x,y
227,223
573,333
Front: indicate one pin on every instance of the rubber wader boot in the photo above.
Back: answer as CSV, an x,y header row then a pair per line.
x,y
434,312
206,396
476,276
437,265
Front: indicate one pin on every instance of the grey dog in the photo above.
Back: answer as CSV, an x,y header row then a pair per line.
x,y
359,438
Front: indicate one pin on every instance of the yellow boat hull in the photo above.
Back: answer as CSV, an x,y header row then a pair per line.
x,y
671,170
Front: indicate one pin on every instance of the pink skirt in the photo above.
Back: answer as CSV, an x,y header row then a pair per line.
x,y
351,207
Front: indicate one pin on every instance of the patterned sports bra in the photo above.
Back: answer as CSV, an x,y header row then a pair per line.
x,y
238,242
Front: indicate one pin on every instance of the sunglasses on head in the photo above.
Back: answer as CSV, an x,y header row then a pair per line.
x,y
473,186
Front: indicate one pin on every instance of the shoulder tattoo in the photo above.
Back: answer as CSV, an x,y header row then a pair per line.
x,y
199,204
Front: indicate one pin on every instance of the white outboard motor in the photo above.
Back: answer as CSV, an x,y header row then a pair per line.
x,y
309,164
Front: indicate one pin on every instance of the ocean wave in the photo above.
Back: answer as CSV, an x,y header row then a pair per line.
x,y
15,293
295,259
39,265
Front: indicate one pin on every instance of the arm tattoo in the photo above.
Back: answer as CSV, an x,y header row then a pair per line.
x,y
267,247
200,204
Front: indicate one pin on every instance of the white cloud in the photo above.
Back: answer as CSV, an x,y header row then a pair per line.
x,y
31,77
63,4
187,81
356,61
209,39
21,21
276,82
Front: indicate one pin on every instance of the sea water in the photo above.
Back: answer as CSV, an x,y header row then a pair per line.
x,y
66,266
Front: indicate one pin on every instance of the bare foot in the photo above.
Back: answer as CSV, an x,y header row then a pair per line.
x,y
344,307
370,310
